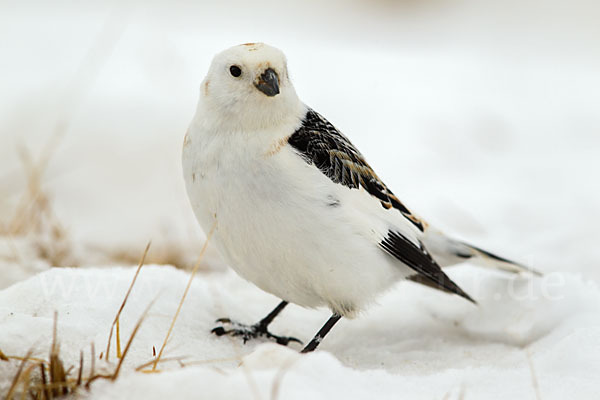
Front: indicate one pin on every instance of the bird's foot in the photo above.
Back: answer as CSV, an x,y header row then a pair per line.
x,y
247,332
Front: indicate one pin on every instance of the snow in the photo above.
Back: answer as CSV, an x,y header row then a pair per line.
x,y
482,117
416,341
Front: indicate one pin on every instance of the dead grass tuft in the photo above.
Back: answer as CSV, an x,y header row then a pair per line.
x,y
165,251
49,379
34,218
54,380
44,379
34,215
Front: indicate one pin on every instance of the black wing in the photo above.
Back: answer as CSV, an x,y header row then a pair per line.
x,y
322,145
416,257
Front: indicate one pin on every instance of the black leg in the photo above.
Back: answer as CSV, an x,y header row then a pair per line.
x,y
248,332
269,318
321,334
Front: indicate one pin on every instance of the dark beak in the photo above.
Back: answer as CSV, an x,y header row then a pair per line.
x,y
268,83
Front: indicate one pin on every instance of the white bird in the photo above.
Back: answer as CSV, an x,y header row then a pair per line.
x,y
296,208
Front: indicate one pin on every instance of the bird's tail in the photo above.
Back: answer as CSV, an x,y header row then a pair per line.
x,y
486,259
447,251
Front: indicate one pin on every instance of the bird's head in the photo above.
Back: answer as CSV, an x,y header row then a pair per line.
x,y
248,86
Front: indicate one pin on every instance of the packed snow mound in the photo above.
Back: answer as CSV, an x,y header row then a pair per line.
x,y
526,335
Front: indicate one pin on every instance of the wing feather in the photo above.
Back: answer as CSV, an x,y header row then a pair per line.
x,y
417,258
322,145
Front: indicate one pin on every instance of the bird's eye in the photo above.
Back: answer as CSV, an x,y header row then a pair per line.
x,y
234,70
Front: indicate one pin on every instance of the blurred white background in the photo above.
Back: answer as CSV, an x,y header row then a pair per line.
x,y
483,116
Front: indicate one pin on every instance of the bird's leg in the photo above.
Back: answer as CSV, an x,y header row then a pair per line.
x,y
321,334
248,332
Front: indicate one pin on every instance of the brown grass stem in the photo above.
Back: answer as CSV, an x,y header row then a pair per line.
x,y
187,288
116,320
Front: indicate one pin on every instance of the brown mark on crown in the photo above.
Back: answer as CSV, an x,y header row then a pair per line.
x,y
252,46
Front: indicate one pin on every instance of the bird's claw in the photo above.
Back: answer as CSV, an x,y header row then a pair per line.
x,y
247,332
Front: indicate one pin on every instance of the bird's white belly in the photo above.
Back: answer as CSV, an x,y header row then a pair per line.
x,y
281,225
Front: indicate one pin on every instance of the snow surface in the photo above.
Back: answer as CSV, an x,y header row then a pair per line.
x,y
417,343
484,117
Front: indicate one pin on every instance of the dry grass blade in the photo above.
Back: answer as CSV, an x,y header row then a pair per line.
x,y
187,288
118,339
534,381
93,366
128,345
183,364
3,356
39,360
250,379
80,373
115,374
166,359
58,376
210,361
26,380
279,378
45,388
116,320
17,376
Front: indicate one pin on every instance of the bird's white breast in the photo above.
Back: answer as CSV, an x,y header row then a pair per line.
x,y
282,224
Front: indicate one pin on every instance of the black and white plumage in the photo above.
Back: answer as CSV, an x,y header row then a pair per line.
x,y
322,145
297,209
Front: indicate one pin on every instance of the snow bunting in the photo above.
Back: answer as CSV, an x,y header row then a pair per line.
x,y
297,209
